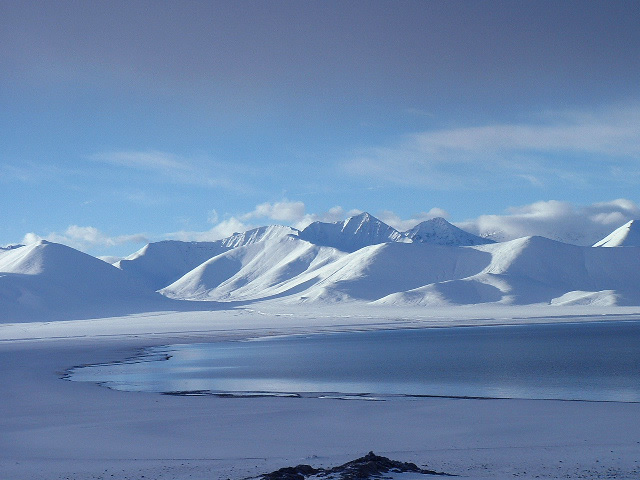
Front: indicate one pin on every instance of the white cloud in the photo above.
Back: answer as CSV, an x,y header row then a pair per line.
x,y
294,214
221,230
392,219
564,221
86,238
462,157
284,211
334,214
213,216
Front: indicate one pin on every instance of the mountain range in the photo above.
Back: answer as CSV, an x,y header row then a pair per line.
x,y
360,259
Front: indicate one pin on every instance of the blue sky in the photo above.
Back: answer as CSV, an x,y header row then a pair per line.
x,y
125,122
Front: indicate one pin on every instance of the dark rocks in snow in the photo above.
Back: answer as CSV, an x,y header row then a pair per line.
x,y
369,466
299,472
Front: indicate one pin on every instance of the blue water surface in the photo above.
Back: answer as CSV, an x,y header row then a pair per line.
x,y
583,361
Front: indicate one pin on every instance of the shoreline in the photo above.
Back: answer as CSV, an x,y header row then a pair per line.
x,y
160,354
51,429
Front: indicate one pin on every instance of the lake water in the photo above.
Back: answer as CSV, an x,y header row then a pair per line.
x,y
588,361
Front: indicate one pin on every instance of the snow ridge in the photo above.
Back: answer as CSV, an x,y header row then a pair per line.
x,y
351,234
158,264
49,281
628,235
440,232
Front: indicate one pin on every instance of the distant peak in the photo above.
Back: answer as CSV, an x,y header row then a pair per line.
x,y
349,235
361,217
436,222
628,235
441,232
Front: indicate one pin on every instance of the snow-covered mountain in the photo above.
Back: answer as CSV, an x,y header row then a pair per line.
x,y
365,230
533,270
261,270
440,232
628,235
49,281
159,264
352,234
295,267
523,271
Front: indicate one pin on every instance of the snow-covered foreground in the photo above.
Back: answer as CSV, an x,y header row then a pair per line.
x,y
55,429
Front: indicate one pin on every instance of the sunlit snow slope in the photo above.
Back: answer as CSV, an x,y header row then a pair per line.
x,y
524,271
538,270
628,235
160,263
49,281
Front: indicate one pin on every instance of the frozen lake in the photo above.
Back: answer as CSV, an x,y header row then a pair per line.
x,y
588,361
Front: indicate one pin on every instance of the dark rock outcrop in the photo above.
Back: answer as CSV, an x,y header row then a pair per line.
x,y
369,466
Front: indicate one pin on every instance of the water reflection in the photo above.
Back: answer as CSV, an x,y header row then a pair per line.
x,y
594,361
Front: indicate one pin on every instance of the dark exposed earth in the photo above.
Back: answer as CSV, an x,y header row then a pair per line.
x,y
369,466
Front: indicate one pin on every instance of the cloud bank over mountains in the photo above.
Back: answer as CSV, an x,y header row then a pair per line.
x,y
562,221
86,238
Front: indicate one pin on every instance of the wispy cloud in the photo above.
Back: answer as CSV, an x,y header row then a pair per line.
x,y
222,229
396,221
151,160
29,172
460,157
86,238
173,168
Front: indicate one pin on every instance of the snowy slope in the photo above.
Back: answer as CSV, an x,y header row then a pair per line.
x,y
538,270
379,270
257,271
304,272
628,235
352,234
440,232
160,263
529,270
49,281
